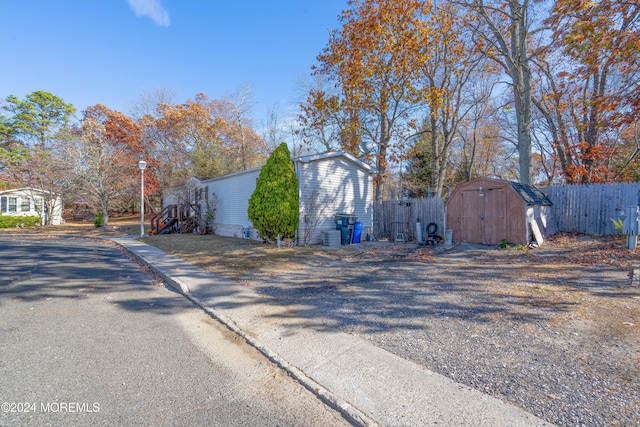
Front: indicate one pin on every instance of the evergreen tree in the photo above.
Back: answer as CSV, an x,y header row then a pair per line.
x,y
40,118
273,206
417,178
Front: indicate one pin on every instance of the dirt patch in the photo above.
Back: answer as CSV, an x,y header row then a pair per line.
x,y
234,258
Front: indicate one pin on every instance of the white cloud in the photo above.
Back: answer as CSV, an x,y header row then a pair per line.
x,y
151,9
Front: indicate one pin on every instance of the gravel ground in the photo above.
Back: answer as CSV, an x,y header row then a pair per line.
x,y
555,331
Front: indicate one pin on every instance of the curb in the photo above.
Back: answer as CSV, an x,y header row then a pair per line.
x,y
334,401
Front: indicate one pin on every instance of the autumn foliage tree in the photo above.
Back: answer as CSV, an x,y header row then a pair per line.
x,y
369,69
626,161
591,92
481,152
503,29
202,137
394,65
448,60
106,150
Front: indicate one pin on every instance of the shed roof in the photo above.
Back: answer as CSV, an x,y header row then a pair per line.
x,y
531,194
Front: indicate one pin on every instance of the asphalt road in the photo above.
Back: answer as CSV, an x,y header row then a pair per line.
x,y
89,338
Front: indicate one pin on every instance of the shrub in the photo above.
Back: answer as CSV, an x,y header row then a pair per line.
x,y
618,225
98,220
210,214
273,206
9,221
504,244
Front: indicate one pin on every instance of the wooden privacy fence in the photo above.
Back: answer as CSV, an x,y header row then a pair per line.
x,y
393,218
589,208
585,209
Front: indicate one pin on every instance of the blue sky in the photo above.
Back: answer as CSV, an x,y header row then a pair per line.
x,y
112,51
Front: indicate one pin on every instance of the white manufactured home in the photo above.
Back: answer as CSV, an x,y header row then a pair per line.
x,y
328,184
32,202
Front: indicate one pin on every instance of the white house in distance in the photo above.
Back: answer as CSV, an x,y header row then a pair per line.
x,y
328,184
32,202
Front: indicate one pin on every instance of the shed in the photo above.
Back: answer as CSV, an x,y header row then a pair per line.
x,y
488,211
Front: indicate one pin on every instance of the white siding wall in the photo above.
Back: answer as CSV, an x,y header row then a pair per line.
x,y
232,193
170,198
337,185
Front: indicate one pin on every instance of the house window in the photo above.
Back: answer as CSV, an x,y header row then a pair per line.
x,y
13,204
3,204
25,205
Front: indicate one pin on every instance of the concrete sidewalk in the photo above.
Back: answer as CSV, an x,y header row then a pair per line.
x,y
369,385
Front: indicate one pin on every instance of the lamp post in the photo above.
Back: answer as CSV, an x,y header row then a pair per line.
x,y
142,165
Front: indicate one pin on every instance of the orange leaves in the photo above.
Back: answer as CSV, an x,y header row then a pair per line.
x,y
122,128
592,94
586,171
374,48
113,127
372,59
207,137
393,63
592,32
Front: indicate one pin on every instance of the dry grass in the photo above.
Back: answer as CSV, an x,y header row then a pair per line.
x,y
118,226
233,258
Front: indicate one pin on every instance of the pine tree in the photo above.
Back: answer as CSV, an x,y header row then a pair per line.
x,y
418,170
273,206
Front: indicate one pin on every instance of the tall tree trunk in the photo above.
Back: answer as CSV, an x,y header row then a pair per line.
x,y
381,158
592,134
521,75
522,96
513,55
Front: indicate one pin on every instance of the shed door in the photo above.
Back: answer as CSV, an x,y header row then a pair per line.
x,y
483,216
472,216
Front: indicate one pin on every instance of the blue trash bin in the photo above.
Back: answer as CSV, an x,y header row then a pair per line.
x,y
345,223
357,232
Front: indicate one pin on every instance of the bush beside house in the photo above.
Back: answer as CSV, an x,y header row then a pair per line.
x,y
9,221
273,206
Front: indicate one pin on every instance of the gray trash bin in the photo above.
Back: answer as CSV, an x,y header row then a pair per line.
x,y
345,223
